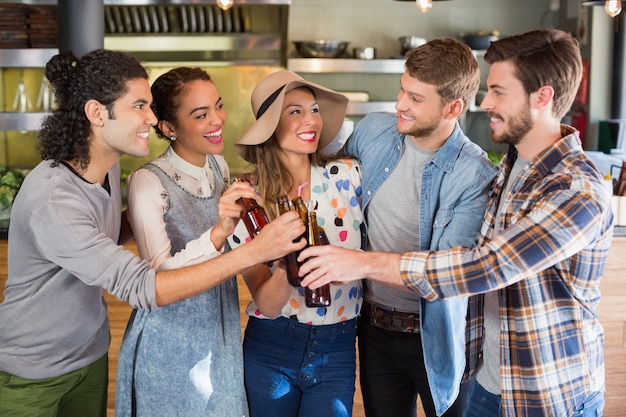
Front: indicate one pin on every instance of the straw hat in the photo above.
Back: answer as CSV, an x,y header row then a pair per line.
x,y
267,103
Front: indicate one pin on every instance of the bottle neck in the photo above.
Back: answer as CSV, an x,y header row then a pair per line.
x,y
313,235
247,203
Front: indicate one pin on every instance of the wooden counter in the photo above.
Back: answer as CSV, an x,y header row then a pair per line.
x,y
612,312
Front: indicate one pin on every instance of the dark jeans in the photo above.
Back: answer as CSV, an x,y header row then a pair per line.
x,y
393,374
482,403
294,369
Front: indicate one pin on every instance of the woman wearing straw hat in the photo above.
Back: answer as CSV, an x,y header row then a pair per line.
x,y
301,361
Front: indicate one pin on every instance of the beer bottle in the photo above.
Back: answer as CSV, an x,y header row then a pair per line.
x,y
253,216
319,297
291,264
301,208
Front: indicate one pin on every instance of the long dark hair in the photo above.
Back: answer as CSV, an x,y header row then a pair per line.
x,y
100,75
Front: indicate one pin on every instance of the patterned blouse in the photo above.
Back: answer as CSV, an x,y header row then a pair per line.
x,y
337,190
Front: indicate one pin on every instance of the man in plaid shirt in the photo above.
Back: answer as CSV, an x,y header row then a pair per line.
x,y
534,275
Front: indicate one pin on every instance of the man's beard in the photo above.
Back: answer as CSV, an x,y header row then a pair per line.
x,y
516,128
424,129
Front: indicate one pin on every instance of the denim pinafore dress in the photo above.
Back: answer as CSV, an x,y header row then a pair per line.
x,y
185,359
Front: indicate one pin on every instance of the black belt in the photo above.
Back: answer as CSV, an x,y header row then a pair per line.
x,y
390,319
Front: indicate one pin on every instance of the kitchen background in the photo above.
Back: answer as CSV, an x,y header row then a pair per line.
x,y
362,23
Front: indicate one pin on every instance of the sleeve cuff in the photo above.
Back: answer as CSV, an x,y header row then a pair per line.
x,y
413,273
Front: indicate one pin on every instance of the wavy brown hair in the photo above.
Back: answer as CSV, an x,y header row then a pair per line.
x,y
447,64
101,75
272,177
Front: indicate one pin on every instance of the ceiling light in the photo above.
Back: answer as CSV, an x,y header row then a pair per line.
x,y
225,4
611,7
423,5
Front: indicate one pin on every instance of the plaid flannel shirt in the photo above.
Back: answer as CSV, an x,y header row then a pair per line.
x,y
546,263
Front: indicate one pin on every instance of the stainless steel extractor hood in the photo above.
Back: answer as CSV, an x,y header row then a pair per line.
x,y
166,31
251,31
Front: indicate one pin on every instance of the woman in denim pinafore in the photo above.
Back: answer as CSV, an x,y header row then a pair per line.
x,y
184,359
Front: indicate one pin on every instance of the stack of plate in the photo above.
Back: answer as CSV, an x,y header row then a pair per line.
x,y
13,29
176,19
43,27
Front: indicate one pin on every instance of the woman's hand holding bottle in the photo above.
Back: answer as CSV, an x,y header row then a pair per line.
x,y
280,237
229,211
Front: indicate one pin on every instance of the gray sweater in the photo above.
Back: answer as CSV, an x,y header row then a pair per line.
x,y
62,255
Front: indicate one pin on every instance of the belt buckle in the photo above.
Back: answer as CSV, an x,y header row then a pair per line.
x,y
400,324
378,317
387,320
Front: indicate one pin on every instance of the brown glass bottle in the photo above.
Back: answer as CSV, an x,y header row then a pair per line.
x,y
253,216
300,207
291,264
319,297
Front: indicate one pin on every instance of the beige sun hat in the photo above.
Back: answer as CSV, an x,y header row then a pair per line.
x,y
267,103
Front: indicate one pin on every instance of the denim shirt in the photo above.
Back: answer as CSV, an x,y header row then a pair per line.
x,y
454,194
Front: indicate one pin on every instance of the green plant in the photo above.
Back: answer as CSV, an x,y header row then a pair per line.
x,y
124,174
10,182
495,157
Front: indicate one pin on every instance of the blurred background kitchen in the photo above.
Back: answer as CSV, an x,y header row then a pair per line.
x,y
239,41
240,45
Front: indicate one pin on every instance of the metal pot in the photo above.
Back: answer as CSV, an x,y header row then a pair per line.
x,y
409,42
479,42
321,48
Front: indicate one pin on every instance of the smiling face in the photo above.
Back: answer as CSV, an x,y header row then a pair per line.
x,y
507,105
419,108
300,123
127,125
199,122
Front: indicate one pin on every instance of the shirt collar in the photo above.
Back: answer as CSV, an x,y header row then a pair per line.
x,y
450,150
184,166
550,157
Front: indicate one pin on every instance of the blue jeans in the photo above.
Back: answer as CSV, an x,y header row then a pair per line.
x,y
592,407
294,369
483,403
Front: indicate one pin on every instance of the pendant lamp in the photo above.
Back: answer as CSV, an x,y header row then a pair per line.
x,y
611,7
423,5
225,4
